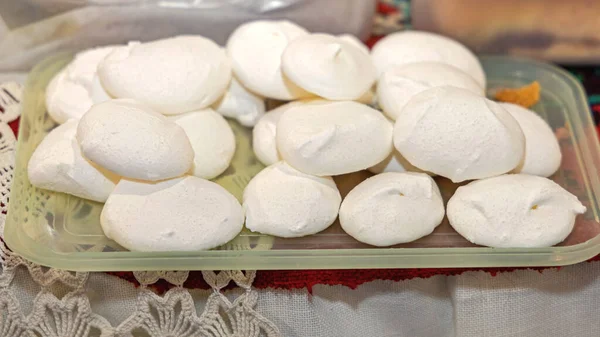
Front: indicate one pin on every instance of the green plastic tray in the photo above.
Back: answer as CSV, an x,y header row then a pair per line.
x,y
62,231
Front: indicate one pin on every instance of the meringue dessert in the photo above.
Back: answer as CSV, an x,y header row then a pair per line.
x,y
392,208
76,88
284,202
542,151
514,210
325,138
398,84
58,165
328,66
172,76
414,46
255,49
264,135
182,214
212,140
240,104
459,135
133,141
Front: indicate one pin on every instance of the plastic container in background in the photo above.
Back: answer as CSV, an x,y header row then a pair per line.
x,y
554,30
64,232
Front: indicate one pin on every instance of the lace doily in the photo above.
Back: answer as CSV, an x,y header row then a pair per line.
x,y
170,315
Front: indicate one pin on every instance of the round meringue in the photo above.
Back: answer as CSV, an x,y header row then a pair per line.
x,y
514,210
171,76
392,208
326,138
130,139
459,135
58,165
264,135
255,49
284,202
74,90
212,140
240,104
354,41
414,46
398,84
329,67
542,151
182,214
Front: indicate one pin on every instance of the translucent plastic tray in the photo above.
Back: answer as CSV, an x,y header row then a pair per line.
x,y
62,231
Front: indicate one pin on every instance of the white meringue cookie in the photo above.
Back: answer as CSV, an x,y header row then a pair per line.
x,y
284,202
264,134
392,208
132,140
240,104
395,162
354,41
459,135
542,151
326,138
514,210
76,88
58,165
171,76
255,49
398,84
328,66
212,140
414,46
182,214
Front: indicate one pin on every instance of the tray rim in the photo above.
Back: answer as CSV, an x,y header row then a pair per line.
x,y
363,258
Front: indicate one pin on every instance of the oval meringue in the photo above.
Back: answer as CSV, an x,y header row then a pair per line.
x,y
329,67
326,138
392,208
264,135
58,165
182,214
514,210
255,49
414,46
172,76
459,135
284,202
212,140
240,104
74,90
398,84
130,139
542,151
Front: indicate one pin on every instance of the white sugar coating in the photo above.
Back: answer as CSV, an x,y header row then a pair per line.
x,y
459,135
264,134
212,139
326,138
398,84
354,41
414,46
132,140
76,88
542,151
284,202
255,49
240,104
514,210
329,67
392,208
58,165
182,214
172,76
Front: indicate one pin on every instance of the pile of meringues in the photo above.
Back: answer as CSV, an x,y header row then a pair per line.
x,y
142,130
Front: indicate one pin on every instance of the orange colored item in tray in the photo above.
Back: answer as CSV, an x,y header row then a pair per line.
x,y
525,96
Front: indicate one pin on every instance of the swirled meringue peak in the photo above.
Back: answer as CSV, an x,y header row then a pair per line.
x,y
329,67
255,49
459,135
514,210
